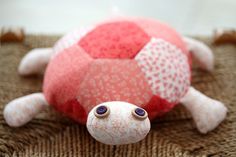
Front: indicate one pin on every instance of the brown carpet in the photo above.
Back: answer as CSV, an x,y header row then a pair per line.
x,y
50,134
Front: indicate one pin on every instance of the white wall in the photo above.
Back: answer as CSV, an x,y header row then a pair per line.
x,y
59,16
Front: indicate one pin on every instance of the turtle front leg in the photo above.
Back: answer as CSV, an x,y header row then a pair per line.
x,y
35,61
206,112
21,110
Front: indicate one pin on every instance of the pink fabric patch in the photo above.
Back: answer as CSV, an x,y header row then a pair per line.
x,y
114,40
113,80
166,69
74,110
157,106
156,29
64,75
70,39
160,30
75,82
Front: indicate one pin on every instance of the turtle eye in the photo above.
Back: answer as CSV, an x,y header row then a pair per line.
x,y
139,113
102,111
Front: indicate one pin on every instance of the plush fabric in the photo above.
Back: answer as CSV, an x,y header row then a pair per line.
x,y
50,134
134,60
121,65
73,109
35,62
114,130
166,68
113,80
206,112
160,30
202,53
157,106
65,74
70,39
114,40
155,28
21,110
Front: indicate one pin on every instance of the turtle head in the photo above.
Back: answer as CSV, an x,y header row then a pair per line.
x,y
117,123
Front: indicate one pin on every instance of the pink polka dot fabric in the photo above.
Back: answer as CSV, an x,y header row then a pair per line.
x,y
139,61
166,69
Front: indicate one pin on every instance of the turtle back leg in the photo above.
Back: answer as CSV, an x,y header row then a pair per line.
x,y
201,52
207,113
35,61
21,110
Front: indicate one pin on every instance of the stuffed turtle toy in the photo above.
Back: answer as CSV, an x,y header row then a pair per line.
x,y
116,77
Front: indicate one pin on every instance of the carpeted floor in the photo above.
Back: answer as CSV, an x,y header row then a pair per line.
x,y
50,134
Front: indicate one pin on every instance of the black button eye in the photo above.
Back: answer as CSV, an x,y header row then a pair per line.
x,y
101,111
140,113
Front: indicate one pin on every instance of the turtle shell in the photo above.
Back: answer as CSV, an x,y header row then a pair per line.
x,y
137,60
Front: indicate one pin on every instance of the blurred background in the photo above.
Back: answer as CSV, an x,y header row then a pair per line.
x,y
189,17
